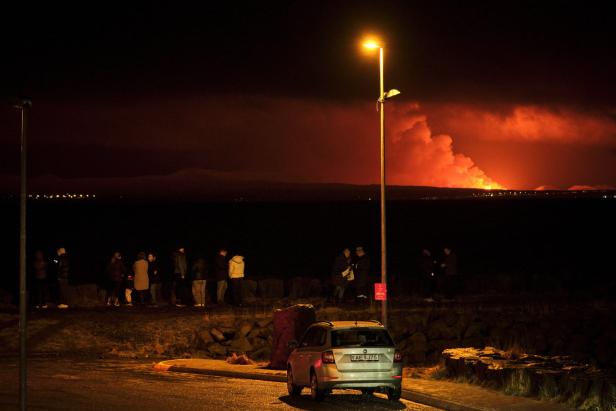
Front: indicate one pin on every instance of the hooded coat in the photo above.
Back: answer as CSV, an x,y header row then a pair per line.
x,y
236,267
140,269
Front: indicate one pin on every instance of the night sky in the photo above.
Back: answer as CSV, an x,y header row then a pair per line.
x,y
494,94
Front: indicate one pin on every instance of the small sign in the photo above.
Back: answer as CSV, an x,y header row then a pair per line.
x,y
380,291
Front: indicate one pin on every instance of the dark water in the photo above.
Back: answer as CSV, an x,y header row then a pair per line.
x,y
518,245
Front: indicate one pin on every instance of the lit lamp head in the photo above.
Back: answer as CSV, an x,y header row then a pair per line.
x,y
371,45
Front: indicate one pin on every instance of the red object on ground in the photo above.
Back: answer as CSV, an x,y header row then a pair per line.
x,y
380,291
289,324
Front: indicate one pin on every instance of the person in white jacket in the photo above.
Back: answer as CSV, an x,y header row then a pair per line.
x,y
236,274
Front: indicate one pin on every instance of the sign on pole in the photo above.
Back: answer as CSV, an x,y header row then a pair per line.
x,y
380,291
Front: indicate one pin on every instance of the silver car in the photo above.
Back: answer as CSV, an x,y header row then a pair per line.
x,y
345,354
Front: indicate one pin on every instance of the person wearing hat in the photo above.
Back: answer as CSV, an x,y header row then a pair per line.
x,y
63,271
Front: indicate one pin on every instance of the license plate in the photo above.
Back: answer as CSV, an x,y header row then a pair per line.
x,y
364,357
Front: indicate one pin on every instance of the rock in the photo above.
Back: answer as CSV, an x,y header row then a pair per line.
x,y
299,288
440,330
217,350
250,291
416,348
261,354
415,322
475,329
451,318
264,322
240,345
271,288
245,328
204,338
217,334
315,288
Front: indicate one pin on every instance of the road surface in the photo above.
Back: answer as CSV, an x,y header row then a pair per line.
x,y
61,384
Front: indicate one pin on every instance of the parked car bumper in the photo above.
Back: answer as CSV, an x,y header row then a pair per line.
x,y
330,377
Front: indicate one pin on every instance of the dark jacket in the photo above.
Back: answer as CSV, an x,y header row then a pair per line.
x,y
341,263
426,265
39,267
64,267
180,265
199,269
362,270
154,272
451,264
221,268
116,271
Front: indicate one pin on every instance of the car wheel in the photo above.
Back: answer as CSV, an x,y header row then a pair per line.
x,y
394,394
367,391
315,393
294,390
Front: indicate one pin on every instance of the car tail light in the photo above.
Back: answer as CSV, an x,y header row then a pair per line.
x,y
397,356
328,357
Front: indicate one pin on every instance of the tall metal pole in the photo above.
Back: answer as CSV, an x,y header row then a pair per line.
x,y
383,220
23,386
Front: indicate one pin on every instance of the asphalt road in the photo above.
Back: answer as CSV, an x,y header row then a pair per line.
x,y
60,384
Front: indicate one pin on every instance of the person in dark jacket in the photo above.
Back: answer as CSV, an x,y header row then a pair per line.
x,y
155,277
341,273
427,274
41,288
449,265
116,271
221,270
199,273
180,271
361,271
63,272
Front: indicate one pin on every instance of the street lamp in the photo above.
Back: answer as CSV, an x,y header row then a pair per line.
x,y
23,105
383,96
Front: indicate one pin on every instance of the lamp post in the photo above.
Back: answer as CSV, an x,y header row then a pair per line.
x,y
371,44
23,105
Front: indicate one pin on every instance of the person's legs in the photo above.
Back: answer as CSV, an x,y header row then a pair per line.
x,y
202,291
221,289
154,293
62,292
236,285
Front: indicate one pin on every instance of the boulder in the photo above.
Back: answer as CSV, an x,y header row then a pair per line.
x,y
264,322
217,350
217,334
440,330
240,345
204,338
271,288
416,348
250,291
245,328
261,354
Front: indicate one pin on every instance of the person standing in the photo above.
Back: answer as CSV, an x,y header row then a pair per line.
x,y
341,273
116,271
362,274
41,289
449,265
427,275
179,277
140,271
155,278
199,272
63,273
221,268
236,274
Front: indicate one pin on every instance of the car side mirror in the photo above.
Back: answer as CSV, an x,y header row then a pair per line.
x,y
292,344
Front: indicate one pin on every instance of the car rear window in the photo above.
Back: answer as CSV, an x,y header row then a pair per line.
x,y
361,337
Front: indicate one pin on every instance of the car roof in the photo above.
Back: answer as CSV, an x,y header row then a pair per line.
x,y
351,324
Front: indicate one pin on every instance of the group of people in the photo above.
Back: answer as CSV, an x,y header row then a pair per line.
x,y
351,272
434,276
142,282
439,275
